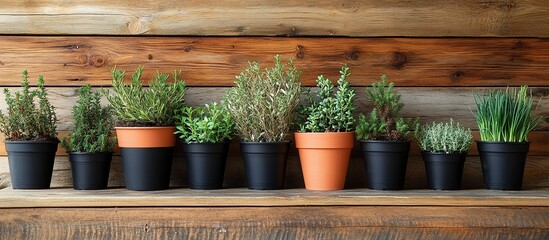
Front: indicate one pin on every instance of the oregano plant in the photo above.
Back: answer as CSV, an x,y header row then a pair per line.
x,y
330,111
29,115
93,124
208,124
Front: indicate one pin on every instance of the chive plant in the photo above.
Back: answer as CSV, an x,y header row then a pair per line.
x,y
506,116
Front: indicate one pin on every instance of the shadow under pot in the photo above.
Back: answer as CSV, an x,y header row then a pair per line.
x,y
31,163
90,171
444,170
265,164
503,164
206,164
146,154
385,163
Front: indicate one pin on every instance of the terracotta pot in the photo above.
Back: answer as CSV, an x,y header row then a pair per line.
x,y
146,154
145,137
324,158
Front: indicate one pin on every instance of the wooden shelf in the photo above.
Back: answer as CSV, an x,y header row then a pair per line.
x,y
239,197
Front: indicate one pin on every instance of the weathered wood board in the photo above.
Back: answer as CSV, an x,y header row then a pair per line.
x,y
208,61
278,18
335,222
428,103
536,173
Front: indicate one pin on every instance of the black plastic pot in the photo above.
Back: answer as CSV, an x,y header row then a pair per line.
x,y
90,171
206,164
503,164
444,170
147,169
385,163
265,164
31,163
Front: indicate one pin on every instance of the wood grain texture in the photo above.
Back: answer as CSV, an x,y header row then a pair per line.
x,y
72,61
428,103
536,173
276,18
380,222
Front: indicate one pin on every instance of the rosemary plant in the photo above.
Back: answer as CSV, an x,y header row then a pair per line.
x,y
24,119
446,137
384,122
137,106
334,111
208,124
93,124
506,116
263,103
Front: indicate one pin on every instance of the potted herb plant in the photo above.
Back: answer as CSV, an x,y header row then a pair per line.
x,y
504,119
326,136
206,132
444,148
385,138
29,127
91,143
145,126
262,105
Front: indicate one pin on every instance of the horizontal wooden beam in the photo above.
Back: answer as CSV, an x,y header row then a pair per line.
x,y
429,104
536,173
72,61
237,197
278,18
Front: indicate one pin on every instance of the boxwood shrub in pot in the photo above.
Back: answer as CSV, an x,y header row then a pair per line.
x,y
504,120
326,136
385,138
263,105
145,125
206,133
91,142
29,127
444,148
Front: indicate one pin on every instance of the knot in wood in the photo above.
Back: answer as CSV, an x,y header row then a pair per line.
x,y
299,53
353,55
98,60
82,59
187,48
457,75
398,59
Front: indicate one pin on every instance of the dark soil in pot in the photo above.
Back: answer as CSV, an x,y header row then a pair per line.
x,y
31,163
385,163
265,164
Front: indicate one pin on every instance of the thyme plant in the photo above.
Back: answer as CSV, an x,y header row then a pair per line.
x,y
136,105
209,124
506,116
448,137
264,101
384,122
333,112
26,119
93,124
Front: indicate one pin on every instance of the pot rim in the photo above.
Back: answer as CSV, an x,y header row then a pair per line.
x,y
318,133
501,142
88,153
382,141
30,142
137,128
284,142
444,153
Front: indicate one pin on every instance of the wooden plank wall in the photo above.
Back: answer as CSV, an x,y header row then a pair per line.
x,y
471,46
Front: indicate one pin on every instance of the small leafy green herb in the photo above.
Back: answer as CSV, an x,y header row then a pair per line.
x,y
384,122
24,119
333,112
506,116
136,105
93,124
263,102
446,137
208,124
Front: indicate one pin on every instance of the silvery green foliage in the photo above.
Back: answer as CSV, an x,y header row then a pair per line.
x,y
333,112
263,102
446,137
384,122
93,124
26,119
136,105
209,124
